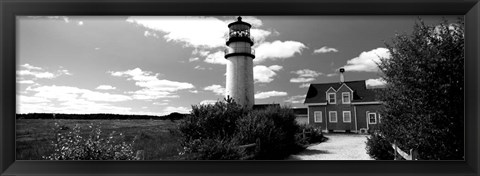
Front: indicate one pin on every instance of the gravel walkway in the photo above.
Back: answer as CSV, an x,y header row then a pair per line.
x,y
337,147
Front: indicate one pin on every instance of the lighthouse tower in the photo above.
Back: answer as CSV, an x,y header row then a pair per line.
x,y
240,55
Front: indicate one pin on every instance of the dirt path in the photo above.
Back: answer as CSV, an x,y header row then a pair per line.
x,y
338,147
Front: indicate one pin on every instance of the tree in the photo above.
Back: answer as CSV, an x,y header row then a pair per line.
x,y
424,96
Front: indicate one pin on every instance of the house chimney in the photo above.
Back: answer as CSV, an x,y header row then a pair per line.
x,y
341,75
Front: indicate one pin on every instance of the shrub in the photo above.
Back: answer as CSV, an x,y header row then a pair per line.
x,y
275,127
72,146
212,149
424,95
316,135
216,132
379,148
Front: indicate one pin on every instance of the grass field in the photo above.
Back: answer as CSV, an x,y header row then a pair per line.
x,y
158,138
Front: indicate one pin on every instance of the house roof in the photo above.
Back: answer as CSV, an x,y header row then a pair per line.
x,y
316,92
300,111
264,106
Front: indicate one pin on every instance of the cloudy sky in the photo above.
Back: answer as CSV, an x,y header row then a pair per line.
x,y
158,65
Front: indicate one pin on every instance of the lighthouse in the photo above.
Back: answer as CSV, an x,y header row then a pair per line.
x,y
240,55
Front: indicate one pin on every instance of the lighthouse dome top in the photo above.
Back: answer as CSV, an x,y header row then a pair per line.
x,y
239,22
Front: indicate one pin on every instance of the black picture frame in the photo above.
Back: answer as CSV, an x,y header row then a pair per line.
x,y
11,8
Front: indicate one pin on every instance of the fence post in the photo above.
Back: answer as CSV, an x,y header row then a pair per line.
x,y
140,155
414,154
303,134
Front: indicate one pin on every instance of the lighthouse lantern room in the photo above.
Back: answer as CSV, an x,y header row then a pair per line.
x,y
240,55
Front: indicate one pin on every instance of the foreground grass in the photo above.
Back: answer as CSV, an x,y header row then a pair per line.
x,y
158,138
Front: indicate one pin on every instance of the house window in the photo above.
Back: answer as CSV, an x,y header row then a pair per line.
x,y
317,115
347,116
332,116
372,118
345,97
332,98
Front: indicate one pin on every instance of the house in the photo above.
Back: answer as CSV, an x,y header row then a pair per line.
x,y
343,106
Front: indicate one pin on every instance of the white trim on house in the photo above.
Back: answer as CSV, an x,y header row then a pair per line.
x,y
315,116
355,114
331,88
375,117
315,104
330,116
326,121
334,98
343,114
349,98
369,102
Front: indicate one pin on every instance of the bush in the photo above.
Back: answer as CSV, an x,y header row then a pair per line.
x,y
215,132
316,135
212,149
379,148
72,146
424,96
275,127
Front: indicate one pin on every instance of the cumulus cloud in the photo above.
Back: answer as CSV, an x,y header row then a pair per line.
x,y
307,73
193,59
39,73
200,52
67,93
26,82
217,89
198,67
379,82
150,34
301,80
160,103
180,109
193,31
259,35
277,50
207,32
206,102
45,75
30,67
367,61
264,95
265,74
332,74
29,99
304,85
216,58
325,49
80,106
106,87
152,87
296,99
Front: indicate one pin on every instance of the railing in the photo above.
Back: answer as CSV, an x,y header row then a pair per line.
x,y
243,50
303,135
257,149
412,155
227,38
